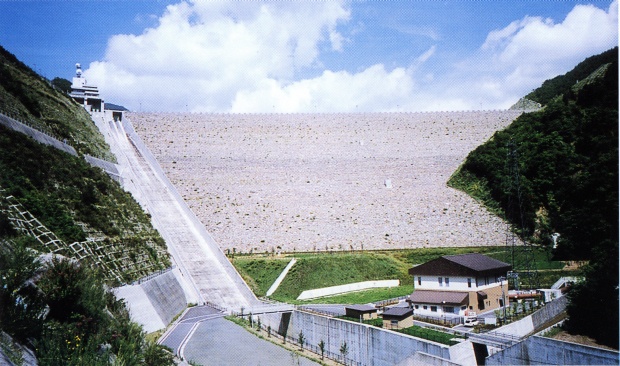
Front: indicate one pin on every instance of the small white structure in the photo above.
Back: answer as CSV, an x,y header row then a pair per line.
x,y
87,95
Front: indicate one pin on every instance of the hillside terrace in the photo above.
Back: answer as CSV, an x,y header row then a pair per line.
x,y
305,182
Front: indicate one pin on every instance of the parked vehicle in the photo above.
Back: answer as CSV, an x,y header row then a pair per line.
x,y
470,319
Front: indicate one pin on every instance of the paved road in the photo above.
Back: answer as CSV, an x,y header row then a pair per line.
x,y
221,342
181,331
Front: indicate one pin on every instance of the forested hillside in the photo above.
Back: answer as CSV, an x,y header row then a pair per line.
x,y
27,97
560,84
51,201
566,156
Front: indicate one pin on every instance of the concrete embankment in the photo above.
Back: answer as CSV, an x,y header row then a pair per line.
x,y
36,135
546,351
205,273
351,287
367,345
154,303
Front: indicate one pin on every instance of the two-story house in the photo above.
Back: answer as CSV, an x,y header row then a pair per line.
x,y
453,284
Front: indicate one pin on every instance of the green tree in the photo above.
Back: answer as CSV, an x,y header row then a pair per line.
x,y
598,291
344,350
22,309
63,85
155,354
301,339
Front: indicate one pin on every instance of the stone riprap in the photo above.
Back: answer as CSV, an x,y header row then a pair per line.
x,y
305,182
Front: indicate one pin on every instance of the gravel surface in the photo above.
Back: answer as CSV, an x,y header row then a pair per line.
x,y
305,182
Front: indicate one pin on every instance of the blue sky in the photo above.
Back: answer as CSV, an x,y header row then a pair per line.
x,y
305,56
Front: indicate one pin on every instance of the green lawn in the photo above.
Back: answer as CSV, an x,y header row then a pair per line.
x,y
260,273
317,270
430,334
338,269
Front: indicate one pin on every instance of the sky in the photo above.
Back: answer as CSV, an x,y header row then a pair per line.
x,y
289,56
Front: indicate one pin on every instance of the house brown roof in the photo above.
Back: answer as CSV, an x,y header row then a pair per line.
x,y
439,297
397,312
472,264
476,261
361,308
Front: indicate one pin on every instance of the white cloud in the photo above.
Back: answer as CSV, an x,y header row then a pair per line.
x,y
535,47
372,89
202,53
247,57
519,57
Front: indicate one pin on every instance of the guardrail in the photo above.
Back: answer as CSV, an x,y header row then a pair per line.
x,y
153,275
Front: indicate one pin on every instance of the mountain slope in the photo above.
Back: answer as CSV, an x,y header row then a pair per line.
x,y
558,85
567,159
60,306
80,204
27,97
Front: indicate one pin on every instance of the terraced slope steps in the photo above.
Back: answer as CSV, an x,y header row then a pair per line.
x,y
326,181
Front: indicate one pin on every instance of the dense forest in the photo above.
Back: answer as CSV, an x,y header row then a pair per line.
x,y
553,173
57,306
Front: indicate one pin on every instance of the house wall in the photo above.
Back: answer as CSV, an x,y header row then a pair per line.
x,y
494,294
440,309
403,323
455,283
493,291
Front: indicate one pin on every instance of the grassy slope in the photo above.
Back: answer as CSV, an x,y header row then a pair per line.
x,y
260,274
75,200
567,160
323,270
559,84
28,97
69,197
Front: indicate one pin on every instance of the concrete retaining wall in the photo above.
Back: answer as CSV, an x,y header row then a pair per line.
x,y
423,359
154,303
530,323
367,345
546,351
549,311
110,168
334,290
36,135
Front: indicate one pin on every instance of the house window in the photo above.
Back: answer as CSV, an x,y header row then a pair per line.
x,y
440,279
424,307
417,306
448,309
419,281
394,322
447,281
434,308
464,307
469,282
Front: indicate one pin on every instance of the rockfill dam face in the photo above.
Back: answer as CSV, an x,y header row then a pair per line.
x,y
317,182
